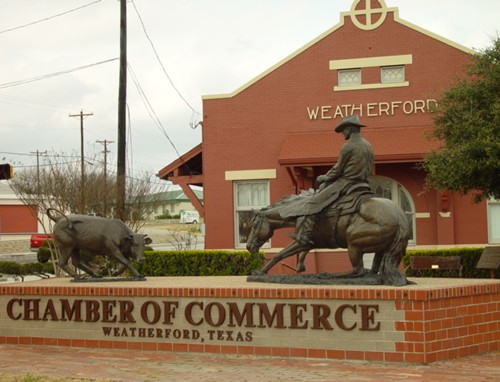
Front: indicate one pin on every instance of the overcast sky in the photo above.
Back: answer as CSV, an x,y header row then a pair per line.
x,y
205,46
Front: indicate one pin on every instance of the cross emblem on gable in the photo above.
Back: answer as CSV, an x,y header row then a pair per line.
x,y
368,14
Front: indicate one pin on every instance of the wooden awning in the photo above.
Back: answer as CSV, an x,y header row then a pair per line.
x,y
187,171
391,145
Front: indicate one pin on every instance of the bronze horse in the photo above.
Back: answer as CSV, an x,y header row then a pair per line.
x,y
379,226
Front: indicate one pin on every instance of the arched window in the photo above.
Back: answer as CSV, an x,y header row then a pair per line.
x,y
390,189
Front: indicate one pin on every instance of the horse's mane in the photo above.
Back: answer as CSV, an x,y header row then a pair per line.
x,y
288,199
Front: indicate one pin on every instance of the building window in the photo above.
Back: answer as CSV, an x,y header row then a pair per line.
x,y
391,74
389,189
349,77
494,221
249,195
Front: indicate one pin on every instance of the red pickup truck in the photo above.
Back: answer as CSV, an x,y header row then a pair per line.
x,y
37,240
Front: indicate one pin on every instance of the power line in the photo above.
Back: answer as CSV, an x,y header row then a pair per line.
x,y
150,109
28,103
195,113
130,157
77,159
47,155
50,75
30,127
49,18
153,115
11,153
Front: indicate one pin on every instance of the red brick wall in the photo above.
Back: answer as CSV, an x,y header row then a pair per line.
x,y
439,319
450,323
18,219
470,220
247,131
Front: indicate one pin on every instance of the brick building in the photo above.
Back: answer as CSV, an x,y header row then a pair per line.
x,y
274,135
16,219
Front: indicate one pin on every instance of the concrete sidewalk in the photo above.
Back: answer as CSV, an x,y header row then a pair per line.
x,y
132,366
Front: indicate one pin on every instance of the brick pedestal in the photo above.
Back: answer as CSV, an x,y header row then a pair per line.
x,y
436,319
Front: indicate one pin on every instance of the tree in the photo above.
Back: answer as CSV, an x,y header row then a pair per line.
x,y
467,122
57,185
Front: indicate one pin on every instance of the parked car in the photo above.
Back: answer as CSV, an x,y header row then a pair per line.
x,y
37,240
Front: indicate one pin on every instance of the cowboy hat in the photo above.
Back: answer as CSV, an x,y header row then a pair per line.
x,y
350,120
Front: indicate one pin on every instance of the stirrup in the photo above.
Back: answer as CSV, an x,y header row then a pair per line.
x,y
295,236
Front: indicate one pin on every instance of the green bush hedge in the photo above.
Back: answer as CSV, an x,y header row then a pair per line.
x,y
43,254
169,263
17,269
199,263
469,259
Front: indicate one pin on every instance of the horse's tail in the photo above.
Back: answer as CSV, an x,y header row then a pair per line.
x,y
52,217
389,268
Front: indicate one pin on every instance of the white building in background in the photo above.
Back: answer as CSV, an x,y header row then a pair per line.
x,y
176,201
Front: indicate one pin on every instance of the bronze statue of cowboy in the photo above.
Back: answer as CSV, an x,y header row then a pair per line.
x,y
353,167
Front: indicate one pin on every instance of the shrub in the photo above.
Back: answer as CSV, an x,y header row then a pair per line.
x,y
10,268
102,264
34,268
43,254
17,269
199,263
168,263
469,259
165,215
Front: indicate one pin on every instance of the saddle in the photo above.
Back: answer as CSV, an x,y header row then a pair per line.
x,y
349,202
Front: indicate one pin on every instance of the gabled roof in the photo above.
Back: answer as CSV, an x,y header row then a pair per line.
x,y
188,165
353,13
177,196
187,171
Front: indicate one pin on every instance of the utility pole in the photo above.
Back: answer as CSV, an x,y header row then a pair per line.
x,y
82,115
122,122
38,153
105,152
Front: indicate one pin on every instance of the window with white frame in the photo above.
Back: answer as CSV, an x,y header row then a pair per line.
x,y
390,189
349,77
392,74
248,196
494,221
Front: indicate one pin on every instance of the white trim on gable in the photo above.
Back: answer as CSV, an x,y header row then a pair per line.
x,y
343,15
277,65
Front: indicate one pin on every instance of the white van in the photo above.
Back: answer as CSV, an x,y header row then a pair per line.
x,y
190,217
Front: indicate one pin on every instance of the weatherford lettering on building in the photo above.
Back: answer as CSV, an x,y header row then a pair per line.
x,y
196,320
372,109
372,63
